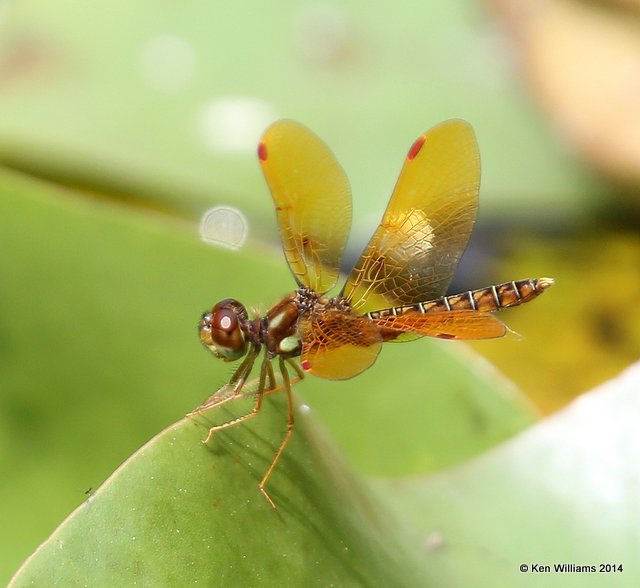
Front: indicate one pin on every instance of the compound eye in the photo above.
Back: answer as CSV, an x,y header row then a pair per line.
x,y
225,321
221,330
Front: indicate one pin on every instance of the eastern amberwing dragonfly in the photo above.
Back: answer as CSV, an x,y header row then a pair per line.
x,y
395,292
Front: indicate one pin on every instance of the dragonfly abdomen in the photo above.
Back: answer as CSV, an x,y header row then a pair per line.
x,y
486,299
495,297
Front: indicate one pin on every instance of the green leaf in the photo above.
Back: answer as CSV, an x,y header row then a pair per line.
x,y
83,109
563,492
179,513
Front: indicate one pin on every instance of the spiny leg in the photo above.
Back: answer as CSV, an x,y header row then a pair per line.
x,y
242,373
237,381
290,422
264,368
274,387
272,377
297,368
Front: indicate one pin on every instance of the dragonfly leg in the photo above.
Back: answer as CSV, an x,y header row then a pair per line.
x,y
272,377
290,423
232,389
240,375
297,369
266,364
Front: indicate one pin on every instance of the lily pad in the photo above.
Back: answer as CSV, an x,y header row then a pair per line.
x,y
554,502
565,492
171,113
179,513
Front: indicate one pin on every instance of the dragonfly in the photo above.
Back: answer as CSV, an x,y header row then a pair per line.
x,y
396,291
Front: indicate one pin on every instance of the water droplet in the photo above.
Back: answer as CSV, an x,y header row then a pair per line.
x,y
233,124
167,63
435,540
224,226
305,409
322,33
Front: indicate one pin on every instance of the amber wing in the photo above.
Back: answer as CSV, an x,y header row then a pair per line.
x,y
312,197
453,324
414,252
338,345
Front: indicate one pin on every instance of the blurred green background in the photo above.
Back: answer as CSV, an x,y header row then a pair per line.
x,y
120,125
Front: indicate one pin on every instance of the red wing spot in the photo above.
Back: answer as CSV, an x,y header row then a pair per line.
x,y
306,366
262,151
445,336
415,148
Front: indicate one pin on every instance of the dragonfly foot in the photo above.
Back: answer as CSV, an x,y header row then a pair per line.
x,y
266,495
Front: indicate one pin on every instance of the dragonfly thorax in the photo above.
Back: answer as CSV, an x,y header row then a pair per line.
x,y
279,327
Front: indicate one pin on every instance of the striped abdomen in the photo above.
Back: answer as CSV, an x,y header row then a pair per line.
x,y
483,299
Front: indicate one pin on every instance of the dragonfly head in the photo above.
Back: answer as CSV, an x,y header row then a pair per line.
x,y
221,331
